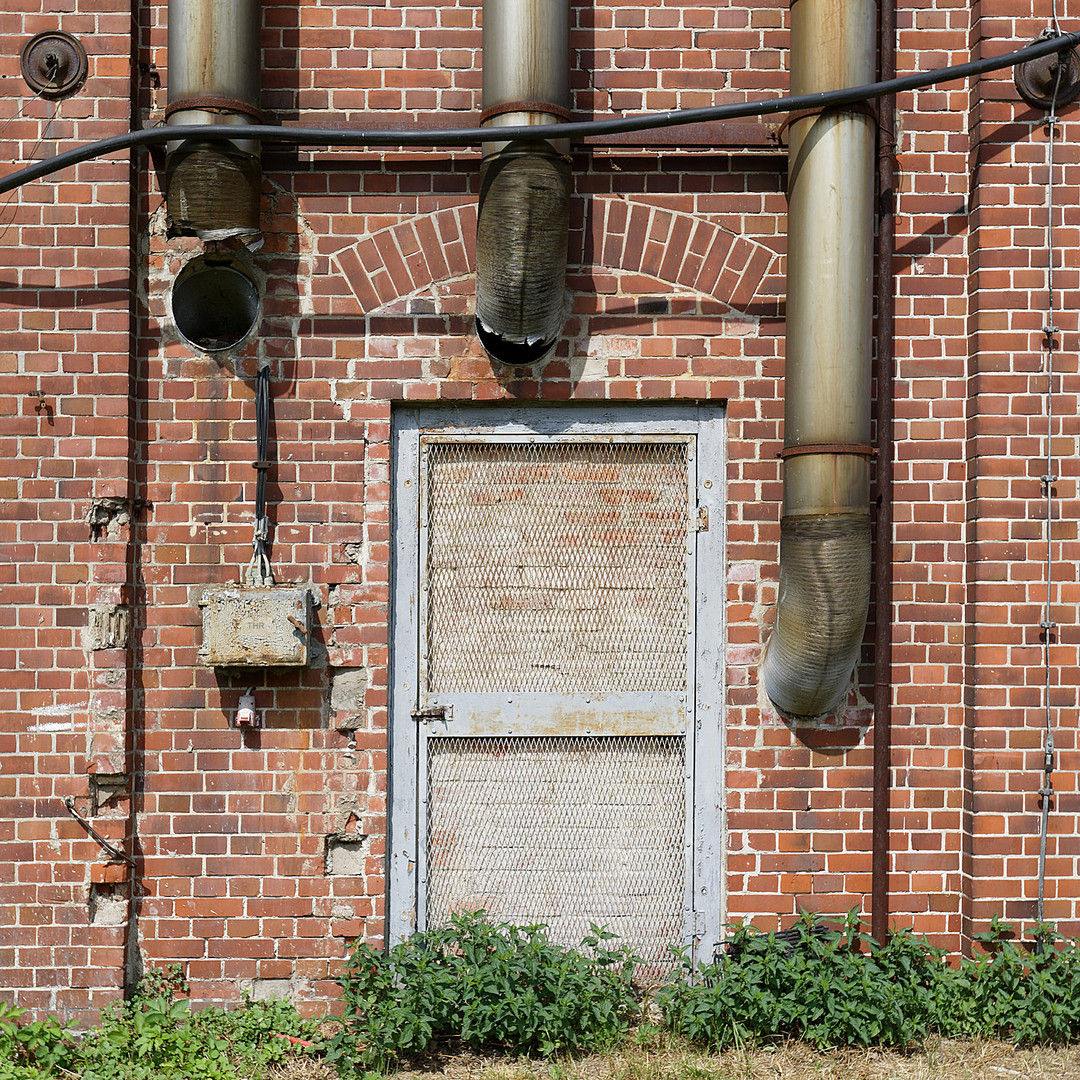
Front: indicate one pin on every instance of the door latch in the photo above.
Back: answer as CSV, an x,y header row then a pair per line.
x,y
433,712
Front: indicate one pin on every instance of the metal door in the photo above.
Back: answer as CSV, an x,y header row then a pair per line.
x,y
555,709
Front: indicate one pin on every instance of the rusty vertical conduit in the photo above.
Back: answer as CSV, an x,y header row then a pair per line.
x,y
212,190
879,889
523,218
824,589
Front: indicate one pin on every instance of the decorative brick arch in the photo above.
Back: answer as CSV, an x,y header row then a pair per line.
x,y
680,250
412,255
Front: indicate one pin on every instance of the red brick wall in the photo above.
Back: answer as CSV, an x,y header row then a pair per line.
x,y
65,318
367,277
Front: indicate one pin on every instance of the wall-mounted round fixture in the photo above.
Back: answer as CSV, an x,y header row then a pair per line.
x,y
215,304
54,64
1035,79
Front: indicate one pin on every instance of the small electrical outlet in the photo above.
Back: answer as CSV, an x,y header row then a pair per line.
x,y
246,714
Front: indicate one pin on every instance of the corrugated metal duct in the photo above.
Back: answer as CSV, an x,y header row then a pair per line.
x,y
212,189
523,219
825,528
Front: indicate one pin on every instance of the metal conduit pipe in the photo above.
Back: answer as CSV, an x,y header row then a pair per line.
x,y
824,589
523,219
212,189
883,538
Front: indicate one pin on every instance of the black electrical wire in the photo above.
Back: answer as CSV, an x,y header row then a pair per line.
x,y
314,136
259,571
114,852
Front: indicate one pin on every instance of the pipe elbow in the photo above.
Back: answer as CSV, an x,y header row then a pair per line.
x,y
822,605
522,230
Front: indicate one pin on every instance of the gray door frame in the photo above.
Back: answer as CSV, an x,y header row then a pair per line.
x,y
705,901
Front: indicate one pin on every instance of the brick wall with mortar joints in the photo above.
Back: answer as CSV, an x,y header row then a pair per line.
x,y
382,344
172,668
930,469
1007,526
64,318
786,785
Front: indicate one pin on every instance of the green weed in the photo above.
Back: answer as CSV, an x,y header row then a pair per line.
x,y
32,1049
837,987
489,986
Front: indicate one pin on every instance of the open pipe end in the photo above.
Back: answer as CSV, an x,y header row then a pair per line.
x,y
510,352
821,614
215,304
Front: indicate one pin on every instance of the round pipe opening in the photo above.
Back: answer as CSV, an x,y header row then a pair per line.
x,y
510,352
215,305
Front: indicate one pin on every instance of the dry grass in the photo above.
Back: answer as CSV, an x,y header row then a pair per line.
x,y
668,1059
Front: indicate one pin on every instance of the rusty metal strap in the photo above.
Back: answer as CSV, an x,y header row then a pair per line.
x,y
865,107
524,106
857,449
214,104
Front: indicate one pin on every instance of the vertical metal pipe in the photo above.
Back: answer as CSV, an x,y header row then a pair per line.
x,y
213,189
523,218
825,529
885,287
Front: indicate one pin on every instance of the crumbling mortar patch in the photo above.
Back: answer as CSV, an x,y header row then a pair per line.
x,y
107,516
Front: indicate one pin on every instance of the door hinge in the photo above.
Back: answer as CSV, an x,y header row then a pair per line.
x,y
433,712
702,523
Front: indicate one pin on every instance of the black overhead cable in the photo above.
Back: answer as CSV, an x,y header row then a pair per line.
x,y
474,136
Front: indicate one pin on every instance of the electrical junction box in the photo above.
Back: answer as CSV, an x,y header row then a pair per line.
x,y
266,627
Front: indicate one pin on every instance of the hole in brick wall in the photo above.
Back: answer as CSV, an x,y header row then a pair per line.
x,y
107,516
108,905
106,790
348,687
346,854
215,304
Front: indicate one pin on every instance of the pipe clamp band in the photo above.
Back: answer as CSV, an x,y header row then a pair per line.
x,y
865,107
525,106
857,449
214,104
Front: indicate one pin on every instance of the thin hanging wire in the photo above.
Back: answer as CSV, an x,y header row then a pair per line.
x,y
1050,332
14,202
258,570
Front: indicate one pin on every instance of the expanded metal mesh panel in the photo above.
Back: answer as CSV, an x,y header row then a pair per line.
x,y
556,567
564,831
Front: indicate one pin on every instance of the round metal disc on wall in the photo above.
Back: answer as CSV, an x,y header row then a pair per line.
x,y
54,64
1035,79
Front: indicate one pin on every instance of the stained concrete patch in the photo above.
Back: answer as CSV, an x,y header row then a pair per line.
x,y
346,855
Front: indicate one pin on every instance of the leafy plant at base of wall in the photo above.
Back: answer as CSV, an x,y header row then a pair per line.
x,y
155,1036
487,985
33,1049
839,988
1027,995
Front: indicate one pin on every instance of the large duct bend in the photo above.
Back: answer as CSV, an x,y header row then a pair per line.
x,y
523,218
824,587
213,189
